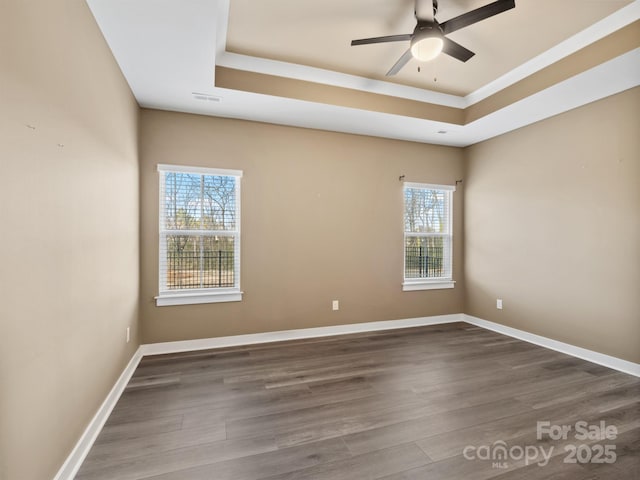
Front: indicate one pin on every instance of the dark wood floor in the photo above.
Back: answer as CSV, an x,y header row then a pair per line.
x,y
400,404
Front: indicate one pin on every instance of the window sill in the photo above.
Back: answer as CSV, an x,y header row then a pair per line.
x,y
169,299
432,285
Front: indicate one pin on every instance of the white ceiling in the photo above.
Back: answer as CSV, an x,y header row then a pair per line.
x,y
168,50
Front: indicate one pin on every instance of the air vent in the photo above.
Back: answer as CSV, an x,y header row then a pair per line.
x,y
206,97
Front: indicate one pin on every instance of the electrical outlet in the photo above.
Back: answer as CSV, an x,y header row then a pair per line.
x,y
128,334
499,304
335,305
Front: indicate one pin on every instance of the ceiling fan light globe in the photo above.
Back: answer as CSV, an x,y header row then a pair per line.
x,y
427,48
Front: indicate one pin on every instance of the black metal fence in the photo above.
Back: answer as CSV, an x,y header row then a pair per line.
x,y
423,262
217,268
206,270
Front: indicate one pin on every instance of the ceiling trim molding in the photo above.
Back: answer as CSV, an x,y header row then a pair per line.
x,y
623,17
222,22
595,32
335,79
243,80
166,50
609,78
599,52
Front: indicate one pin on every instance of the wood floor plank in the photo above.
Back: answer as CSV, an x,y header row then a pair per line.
x,y
522,425
625,418
102,455
577,390
556,469
159,463
152,381
627,462
359,420
362,467
264,464
450,469
114,433
414,430
484,390
395,404
282,422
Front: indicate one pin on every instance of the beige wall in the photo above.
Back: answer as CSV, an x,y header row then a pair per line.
x,y
552,226
321,220
68,230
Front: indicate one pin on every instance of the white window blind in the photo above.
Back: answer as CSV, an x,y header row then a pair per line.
x,y
428,239
199,231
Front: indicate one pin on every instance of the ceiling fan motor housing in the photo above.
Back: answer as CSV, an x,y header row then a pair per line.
x,y
427,29
427,41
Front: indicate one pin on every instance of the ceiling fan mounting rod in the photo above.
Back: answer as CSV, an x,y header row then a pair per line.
x,y
416,9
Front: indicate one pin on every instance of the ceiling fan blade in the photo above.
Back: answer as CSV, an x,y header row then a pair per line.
x,y
456,50
477,15
424,10
402,61
390,38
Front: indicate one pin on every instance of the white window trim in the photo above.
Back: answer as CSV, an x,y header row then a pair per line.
x,y
199,170
429,186
204,295
416,284
192,298
425,285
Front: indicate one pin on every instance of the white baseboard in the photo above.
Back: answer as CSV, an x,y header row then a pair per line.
x,y
73,462
589,355
279,336
79,453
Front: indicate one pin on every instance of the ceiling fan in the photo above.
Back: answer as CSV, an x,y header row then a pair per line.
x,y
428,38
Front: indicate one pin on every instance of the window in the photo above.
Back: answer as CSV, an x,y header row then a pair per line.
x,y
199,235
428,242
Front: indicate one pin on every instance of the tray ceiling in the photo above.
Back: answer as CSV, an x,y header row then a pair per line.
x,y
290,62
318,34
